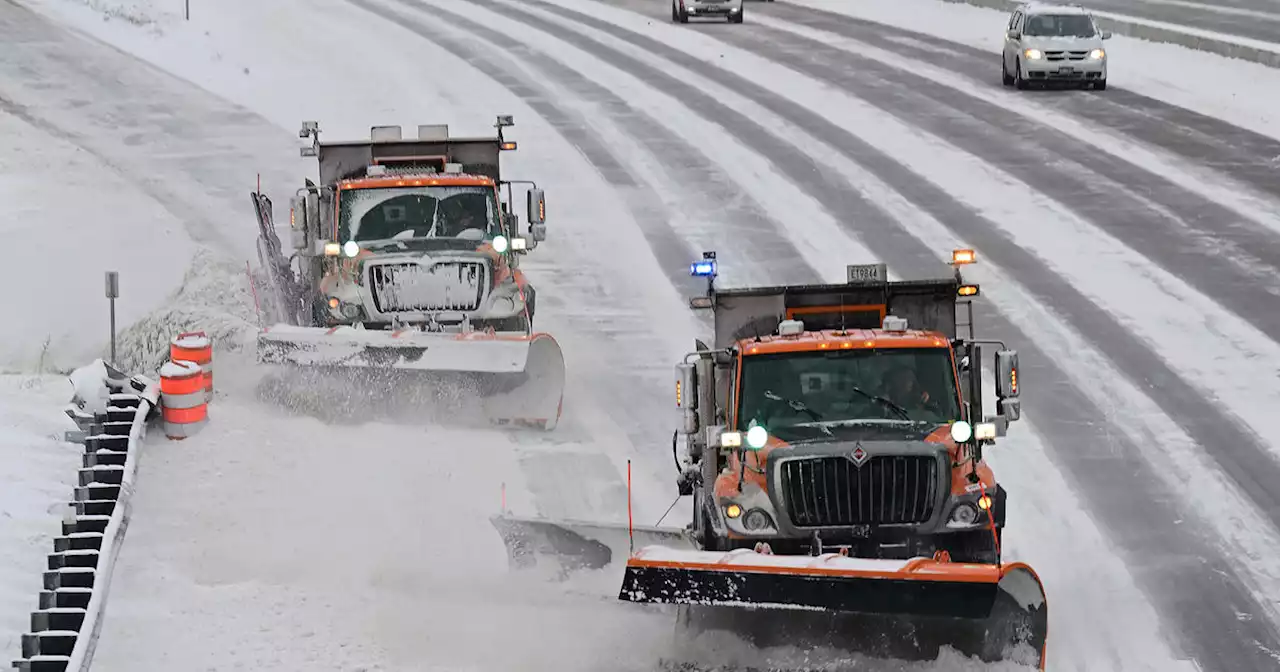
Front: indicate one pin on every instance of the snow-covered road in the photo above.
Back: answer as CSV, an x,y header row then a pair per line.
x,y
1126,244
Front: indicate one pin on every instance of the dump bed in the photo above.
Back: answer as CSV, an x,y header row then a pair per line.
x,y
431,149
925,304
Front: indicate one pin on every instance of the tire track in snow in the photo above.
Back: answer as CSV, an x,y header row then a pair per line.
x,y
765,247
1248,157
165,143
1220,253
761,246
1242,453
1172,557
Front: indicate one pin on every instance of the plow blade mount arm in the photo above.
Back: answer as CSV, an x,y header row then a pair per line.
x,y
519,378
576,545
982,610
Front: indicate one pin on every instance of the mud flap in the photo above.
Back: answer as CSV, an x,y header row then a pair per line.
x,y
517,379
577,545
905,609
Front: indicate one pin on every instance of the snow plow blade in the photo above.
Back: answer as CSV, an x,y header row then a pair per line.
x,y
518,378
576,545
902,609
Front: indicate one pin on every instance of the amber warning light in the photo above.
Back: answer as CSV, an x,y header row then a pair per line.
x,y
959,257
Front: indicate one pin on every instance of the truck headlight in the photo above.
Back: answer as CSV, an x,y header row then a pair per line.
x,y
964,515
757,520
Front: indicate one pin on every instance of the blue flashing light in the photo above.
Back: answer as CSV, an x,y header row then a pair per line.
x,y
704,268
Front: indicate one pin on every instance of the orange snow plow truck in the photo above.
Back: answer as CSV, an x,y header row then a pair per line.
x,y
407,283
833,441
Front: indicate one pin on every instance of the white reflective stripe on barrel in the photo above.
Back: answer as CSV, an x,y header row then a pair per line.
x,y
185,430
191,400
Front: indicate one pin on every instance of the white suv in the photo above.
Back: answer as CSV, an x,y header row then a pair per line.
x,y
1053,43
682,10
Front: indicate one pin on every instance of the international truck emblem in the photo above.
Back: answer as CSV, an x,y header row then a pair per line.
x,y
859,455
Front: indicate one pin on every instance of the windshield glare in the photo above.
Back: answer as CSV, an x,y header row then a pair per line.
x,y
1059,25
467,212
784,389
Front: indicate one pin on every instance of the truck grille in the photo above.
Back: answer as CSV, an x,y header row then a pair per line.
x,y
886,489
410,287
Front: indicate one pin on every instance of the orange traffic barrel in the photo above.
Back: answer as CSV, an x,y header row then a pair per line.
x,y
195,346
183,399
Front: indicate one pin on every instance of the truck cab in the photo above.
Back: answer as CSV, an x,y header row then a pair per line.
x,y
844,417
408,232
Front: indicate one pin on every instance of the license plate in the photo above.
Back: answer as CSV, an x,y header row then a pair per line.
x,y
1066,70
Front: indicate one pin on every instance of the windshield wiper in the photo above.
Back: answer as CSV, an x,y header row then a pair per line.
x,y
883,402
796,406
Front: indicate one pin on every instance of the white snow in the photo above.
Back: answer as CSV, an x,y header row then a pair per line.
x,y
1262,45
62,245
91,393
37,479
1243,93
1154,303
231,558
746,558
192,341
179,369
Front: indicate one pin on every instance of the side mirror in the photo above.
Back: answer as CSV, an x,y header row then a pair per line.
x,y
313,212
1106,34
687,396
1010,409
1007,374
538,232
537,207
298,222
1012,34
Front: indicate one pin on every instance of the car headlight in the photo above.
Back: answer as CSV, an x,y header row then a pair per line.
x,y
1097,54
1033,54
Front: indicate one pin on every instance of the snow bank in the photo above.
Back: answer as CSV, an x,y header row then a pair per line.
x,y
38,472
215,297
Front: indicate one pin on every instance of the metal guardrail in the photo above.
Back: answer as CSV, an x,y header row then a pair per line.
x,y
65,626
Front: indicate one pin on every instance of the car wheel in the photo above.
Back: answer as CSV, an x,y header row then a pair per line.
x,y
1018,82
1005,77
1100,85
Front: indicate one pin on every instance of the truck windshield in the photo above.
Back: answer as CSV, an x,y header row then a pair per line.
x,y
1059,25
465,212
916,384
